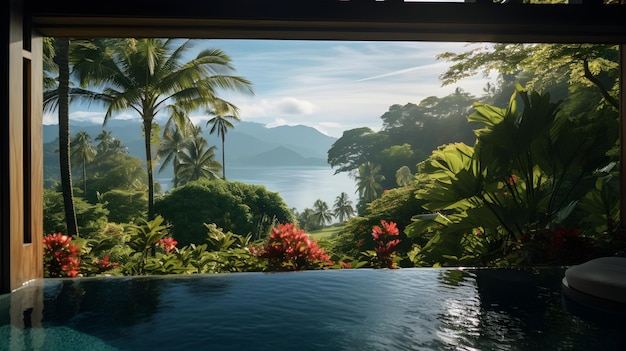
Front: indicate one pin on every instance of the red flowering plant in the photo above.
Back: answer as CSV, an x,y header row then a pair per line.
x,y
386,240
104,265
168,244
61,257
557,246
290,249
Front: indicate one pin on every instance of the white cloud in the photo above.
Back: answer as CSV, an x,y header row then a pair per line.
x,y
437,66
293,106
88,116
278,122
125,116
275,107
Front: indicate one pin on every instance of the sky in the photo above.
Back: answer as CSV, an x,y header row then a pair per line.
x,y
332,86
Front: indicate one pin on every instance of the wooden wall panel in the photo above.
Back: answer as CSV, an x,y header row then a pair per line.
x,y
4,151
25,160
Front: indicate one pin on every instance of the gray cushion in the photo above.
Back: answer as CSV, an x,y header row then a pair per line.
x,y
603,277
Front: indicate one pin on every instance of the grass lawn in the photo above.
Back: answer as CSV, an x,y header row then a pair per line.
x,y
325,233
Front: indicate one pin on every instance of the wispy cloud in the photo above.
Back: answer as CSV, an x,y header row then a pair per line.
x,y
403,71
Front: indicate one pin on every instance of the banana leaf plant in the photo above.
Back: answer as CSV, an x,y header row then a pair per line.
x,y
527,171
143,238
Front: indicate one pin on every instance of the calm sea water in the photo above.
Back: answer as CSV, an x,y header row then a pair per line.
x,y
300,187
360,310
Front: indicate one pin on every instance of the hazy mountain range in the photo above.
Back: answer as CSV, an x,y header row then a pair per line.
x,y
248,144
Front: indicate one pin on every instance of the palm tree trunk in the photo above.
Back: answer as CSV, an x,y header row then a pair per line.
x,y
147,130
61,59
223,161
85,179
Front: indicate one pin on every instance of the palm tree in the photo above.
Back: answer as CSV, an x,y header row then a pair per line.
x,y
57,96
220,124
368,181
177,134
117,147
105,140
171,148
197,161
82,153
147,75
59,55
321,213
342,208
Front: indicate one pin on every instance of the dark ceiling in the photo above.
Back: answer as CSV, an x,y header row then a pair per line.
x,y
590,22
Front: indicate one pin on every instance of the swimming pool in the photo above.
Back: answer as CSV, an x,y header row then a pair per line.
x,y
362,309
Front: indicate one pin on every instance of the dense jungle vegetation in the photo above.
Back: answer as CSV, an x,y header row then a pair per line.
x,y
526,174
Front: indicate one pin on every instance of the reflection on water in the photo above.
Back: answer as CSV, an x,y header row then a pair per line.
x,y
460,313
404,309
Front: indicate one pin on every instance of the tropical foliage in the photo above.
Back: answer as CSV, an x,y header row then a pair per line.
x,y
150,75
526,174
516,177
234,206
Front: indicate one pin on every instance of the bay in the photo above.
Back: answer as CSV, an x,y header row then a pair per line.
x,y
299,186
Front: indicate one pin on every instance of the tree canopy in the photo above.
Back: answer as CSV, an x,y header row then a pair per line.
x,y
237,207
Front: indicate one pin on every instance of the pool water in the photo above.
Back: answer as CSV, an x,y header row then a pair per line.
x,y
364,309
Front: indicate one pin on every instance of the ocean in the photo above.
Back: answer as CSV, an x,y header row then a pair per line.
x,y
300,187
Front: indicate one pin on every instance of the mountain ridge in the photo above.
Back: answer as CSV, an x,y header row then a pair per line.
x,y
249,143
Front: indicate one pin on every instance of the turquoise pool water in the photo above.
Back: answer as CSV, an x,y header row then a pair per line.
x,y
404,309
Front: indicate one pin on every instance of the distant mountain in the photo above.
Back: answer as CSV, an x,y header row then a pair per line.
x,y
280,156
249,143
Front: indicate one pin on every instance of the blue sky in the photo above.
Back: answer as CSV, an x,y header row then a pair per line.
x,y
329,85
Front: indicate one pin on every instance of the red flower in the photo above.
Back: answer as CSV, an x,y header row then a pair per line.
x,y
344,264
169,244
291,249
105,265
61,257
386,241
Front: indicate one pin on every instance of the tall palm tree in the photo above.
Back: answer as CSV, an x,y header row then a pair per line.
x,y
197,161
368,181
342,208
57,96
220,123
59,55
82,153
147,75
321,213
